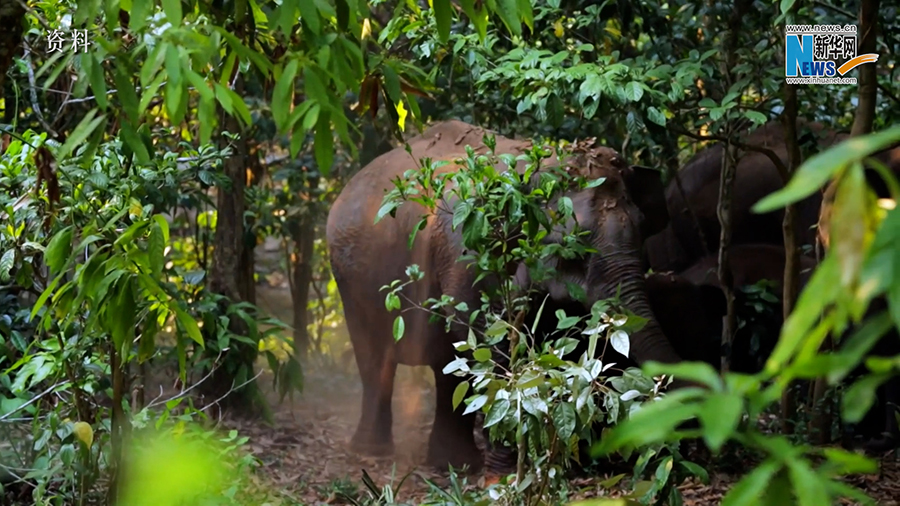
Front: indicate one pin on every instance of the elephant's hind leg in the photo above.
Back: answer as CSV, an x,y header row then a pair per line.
x,y
452,440
374,358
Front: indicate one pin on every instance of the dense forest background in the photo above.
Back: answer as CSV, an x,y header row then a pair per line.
x,y
170,329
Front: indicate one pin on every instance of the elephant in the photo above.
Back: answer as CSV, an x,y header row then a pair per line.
x,y
679,244
628,206
689,314
750,264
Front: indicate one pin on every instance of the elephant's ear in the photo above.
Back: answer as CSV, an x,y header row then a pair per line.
x,y
647,191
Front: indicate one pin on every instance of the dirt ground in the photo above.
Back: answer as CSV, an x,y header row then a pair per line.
x,y
305,454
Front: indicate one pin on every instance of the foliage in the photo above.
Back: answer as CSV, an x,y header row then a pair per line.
x,y
856,269
534,395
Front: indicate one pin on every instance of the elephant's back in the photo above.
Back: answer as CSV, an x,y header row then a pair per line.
x,y
351,230
750,263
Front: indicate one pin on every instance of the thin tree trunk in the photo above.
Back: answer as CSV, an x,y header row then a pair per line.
x,y
864,117
863,120
231,276
301,273
791,251
726,187
119,425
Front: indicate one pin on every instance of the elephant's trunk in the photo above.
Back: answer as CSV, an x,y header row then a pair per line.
x,y
620,271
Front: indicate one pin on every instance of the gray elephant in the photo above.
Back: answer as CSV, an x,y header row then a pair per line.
x,y
628,206
679,245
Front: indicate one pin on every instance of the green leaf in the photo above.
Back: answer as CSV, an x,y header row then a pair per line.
x,y
6,264
756,117
848,224
391,83
482,354
508,11
567,322
121,314
809,486
695,470
200,84
140,13
309,14
620,342
846,462
133,141
173,11
498,411
59,250
565,206
818,169
699,372
81,132
564,418
653,423
399,327
633,91
459,393
526,14
751,488
859,398
786,5
189,325
443,16
127,95
475,404
654,115
386,209
324,143
720,415
478,17
236,103
175,100
282,95
93,67
820,291
156,246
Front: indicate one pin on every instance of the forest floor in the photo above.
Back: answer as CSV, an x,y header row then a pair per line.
x,y
306,455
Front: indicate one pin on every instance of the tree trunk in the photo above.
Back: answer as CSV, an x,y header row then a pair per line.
x,y
863,120
231,275
791,251
726,186
864,117
301,272
11,16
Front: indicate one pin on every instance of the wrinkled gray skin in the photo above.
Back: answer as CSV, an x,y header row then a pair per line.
x,y
366,256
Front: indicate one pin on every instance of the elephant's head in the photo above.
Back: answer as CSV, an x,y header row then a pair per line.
x,y
618,214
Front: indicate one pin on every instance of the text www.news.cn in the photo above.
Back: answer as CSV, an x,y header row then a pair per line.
x,y
819,28
820,80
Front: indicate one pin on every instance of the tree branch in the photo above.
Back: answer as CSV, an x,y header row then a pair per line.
x,y
779,164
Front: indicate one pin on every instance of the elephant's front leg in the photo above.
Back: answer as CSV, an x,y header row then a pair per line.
x,y
452,440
